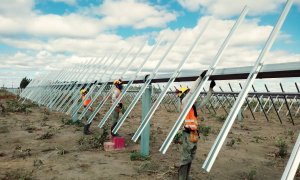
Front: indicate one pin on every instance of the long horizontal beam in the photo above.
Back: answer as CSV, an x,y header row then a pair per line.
x,y
280,70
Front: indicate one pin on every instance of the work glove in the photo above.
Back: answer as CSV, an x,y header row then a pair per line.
x,y
203,73
212,84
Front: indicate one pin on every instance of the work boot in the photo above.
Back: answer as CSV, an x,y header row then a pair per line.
x,y
183,172
86,129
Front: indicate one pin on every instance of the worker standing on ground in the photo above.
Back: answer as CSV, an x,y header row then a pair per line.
x,y
115,114
190,133
86,102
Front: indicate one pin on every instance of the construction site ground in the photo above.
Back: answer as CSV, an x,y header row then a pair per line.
x,y
37,143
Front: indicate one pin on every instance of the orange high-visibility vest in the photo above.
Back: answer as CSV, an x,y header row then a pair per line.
x,y
86,102
190,121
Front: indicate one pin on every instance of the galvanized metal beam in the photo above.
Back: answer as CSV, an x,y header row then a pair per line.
x,y
236,107
197,92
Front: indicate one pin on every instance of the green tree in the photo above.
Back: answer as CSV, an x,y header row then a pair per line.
x,y
24,82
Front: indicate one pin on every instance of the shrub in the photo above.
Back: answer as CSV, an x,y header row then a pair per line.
x,y
93,142
71,122
281,144
18,174
14,106
230,143
204,130
47,135
251,174
220,118
136,156
21,153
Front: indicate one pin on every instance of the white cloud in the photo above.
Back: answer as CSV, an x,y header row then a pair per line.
x,y
16,8
226,8
71,25
17,17
132,13
69,37
243,50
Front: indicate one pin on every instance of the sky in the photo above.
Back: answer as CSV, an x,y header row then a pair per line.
x,y
37,36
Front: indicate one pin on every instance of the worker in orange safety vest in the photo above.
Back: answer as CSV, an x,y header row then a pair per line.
x,y
190,133
86,102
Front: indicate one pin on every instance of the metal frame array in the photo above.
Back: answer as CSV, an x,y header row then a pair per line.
x,y
59,90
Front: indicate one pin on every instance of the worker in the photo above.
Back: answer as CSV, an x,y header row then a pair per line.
x,y
190,133
86,102
115,114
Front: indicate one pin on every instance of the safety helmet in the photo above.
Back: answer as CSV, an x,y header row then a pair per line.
x,y
182,90
118,81
82,91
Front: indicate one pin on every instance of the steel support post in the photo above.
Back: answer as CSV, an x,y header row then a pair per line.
x,y
212,106
32,84
229,103
297,101
145,137
293,163
109,93
68,87
53,86
118,100
100,90
61,83
291,105
237,105
197,92
143,88
171,80
275,108
71,90
287,105
38,89
93,73
247,102
260,104
222,104
90,93
272,102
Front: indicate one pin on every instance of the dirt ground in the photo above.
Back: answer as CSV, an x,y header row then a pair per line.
x,y
38,144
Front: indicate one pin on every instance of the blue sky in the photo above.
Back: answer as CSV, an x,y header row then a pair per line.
x,y
186,19
40,35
